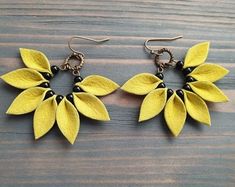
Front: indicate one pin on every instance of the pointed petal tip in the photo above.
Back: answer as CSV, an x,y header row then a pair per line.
x,y
175,134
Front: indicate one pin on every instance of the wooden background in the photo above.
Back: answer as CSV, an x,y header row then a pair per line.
x,y
120,152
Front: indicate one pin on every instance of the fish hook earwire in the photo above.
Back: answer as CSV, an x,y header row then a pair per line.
x,y
161,65
77,55
84,38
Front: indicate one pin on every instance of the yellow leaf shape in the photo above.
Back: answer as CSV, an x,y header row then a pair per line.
x,y
90,106
141,84
208,91
35,60
196,107
208,72
27,101
175,114
44,117
98,85
68,120
153,104
23,78
197,54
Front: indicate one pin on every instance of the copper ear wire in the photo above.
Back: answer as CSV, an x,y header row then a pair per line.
x,y
161,65
77,55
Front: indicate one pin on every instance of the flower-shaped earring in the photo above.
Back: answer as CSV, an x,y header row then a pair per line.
x,y
190,99
50,108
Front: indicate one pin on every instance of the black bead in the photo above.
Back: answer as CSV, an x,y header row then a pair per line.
x,y
190,79
46,75
179,65
55,69
59,98
78,79
70,97
45,85
180,93
187,87
49,93
77,89
186,71
160,76
161,85
169,93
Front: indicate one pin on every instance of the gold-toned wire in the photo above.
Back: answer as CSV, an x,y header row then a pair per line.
x,y
160,40
77,55
161,65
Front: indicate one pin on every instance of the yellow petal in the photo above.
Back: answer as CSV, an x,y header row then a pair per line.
x,y
35,60
197,54
209,72
208,91
196,107
98,85
68,120
153,104
44,117
141,84
23,78
90,106
27,101
175,114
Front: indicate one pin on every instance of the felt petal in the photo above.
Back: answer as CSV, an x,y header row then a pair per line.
x,y
175,114
153,104
27,101
141,84
68,120
35,60
23,78
197,54
208,72
98,85
44,117
208,91
196,107
90,106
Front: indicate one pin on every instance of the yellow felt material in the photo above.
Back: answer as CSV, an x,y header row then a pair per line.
x,y
175,114
153,104
23,78
141,84
27,101
208,91
68,120
35,60
196,107
197,54
209,72
44,117
98,85
90,106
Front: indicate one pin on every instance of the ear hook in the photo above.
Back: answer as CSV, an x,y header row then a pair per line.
x,y
79,56
162,65
159,39
84,38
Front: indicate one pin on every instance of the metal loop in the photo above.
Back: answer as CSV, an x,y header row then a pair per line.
x,y
161,65
77,56
75,69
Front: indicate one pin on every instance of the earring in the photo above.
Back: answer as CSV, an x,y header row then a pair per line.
x,y
49,107
199,78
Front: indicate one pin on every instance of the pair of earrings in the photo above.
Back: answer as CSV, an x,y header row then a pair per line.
x,y
65,110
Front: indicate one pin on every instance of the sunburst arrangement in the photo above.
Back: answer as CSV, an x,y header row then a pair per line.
x,y
49,107
190,99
